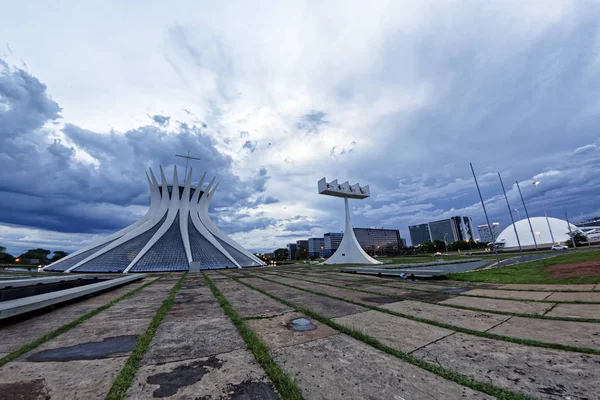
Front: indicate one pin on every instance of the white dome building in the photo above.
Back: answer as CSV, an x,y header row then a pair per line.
x,y
560,231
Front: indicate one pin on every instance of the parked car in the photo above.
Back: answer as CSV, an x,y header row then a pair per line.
x,y
559,247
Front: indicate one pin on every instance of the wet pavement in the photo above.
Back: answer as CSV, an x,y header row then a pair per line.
x,y
197,351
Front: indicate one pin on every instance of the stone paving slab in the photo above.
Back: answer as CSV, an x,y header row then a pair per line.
x,y
19,334
339,367
397,332
597,287
565,296
234,375
509,294
83,362
248,302
542,373
575,311
417,286
95,330
516,306
349,294
275,332
464,318
550,288
181,339
81,379
581,334
323,305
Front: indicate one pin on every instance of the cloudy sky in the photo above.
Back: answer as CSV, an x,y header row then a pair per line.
x,y
273,96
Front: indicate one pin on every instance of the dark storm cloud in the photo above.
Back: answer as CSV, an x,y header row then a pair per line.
x,y
248,145
524,109
311,122
161,120
49,187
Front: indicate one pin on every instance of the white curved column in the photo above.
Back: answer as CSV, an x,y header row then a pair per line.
x,y
194,208
183,217
350,251
154,219
212,228
174,203
154,204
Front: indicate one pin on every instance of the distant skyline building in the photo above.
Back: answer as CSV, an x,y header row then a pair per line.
x,y
316,247
484,232
447,230
332,241
292,247
302,244
378,241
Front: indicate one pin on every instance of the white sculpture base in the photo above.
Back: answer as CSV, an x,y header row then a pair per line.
x,y
350,251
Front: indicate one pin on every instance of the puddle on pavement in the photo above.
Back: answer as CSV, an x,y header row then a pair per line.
x,y
87,351
183,375
249,390
380,300
427,296
301,324
24,390
455,290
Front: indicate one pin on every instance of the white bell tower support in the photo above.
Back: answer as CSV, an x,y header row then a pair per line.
x,y
349,251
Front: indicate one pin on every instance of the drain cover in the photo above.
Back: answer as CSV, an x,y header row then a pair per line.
x,y
301,324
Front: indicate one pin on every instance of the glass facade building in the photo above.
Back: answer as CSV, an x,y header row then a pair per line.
x,y
419,234
332,241
484,232
447,230
316,247
378,241
291,247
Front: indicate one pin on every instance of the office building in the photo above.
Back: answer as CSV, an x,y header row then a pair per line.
x,y
447,230
332,241
316,247
378,241
484,232
292,247
419,234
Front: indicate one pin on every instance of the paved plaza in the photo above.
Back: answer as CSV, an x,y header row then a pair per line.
x,y
336,335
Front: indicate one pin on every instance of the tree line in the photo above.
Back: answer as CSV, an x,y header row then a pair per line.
x,y
41,255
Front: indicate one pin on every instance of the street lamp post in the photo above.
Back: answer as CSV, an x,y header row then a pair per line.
x,y
527,214
511,217
446,243
536,184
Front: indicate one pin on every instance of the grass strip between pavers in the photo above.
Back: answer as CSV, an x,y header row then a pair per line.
x,y
286,386
118,390
401,298
493,297
445,373
51,335
488,335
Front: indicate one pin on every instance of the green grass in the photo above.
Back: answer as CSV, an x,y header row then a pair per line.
x,y
532,271
488,335
287,388
118,390
401,297
454,376
51,335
